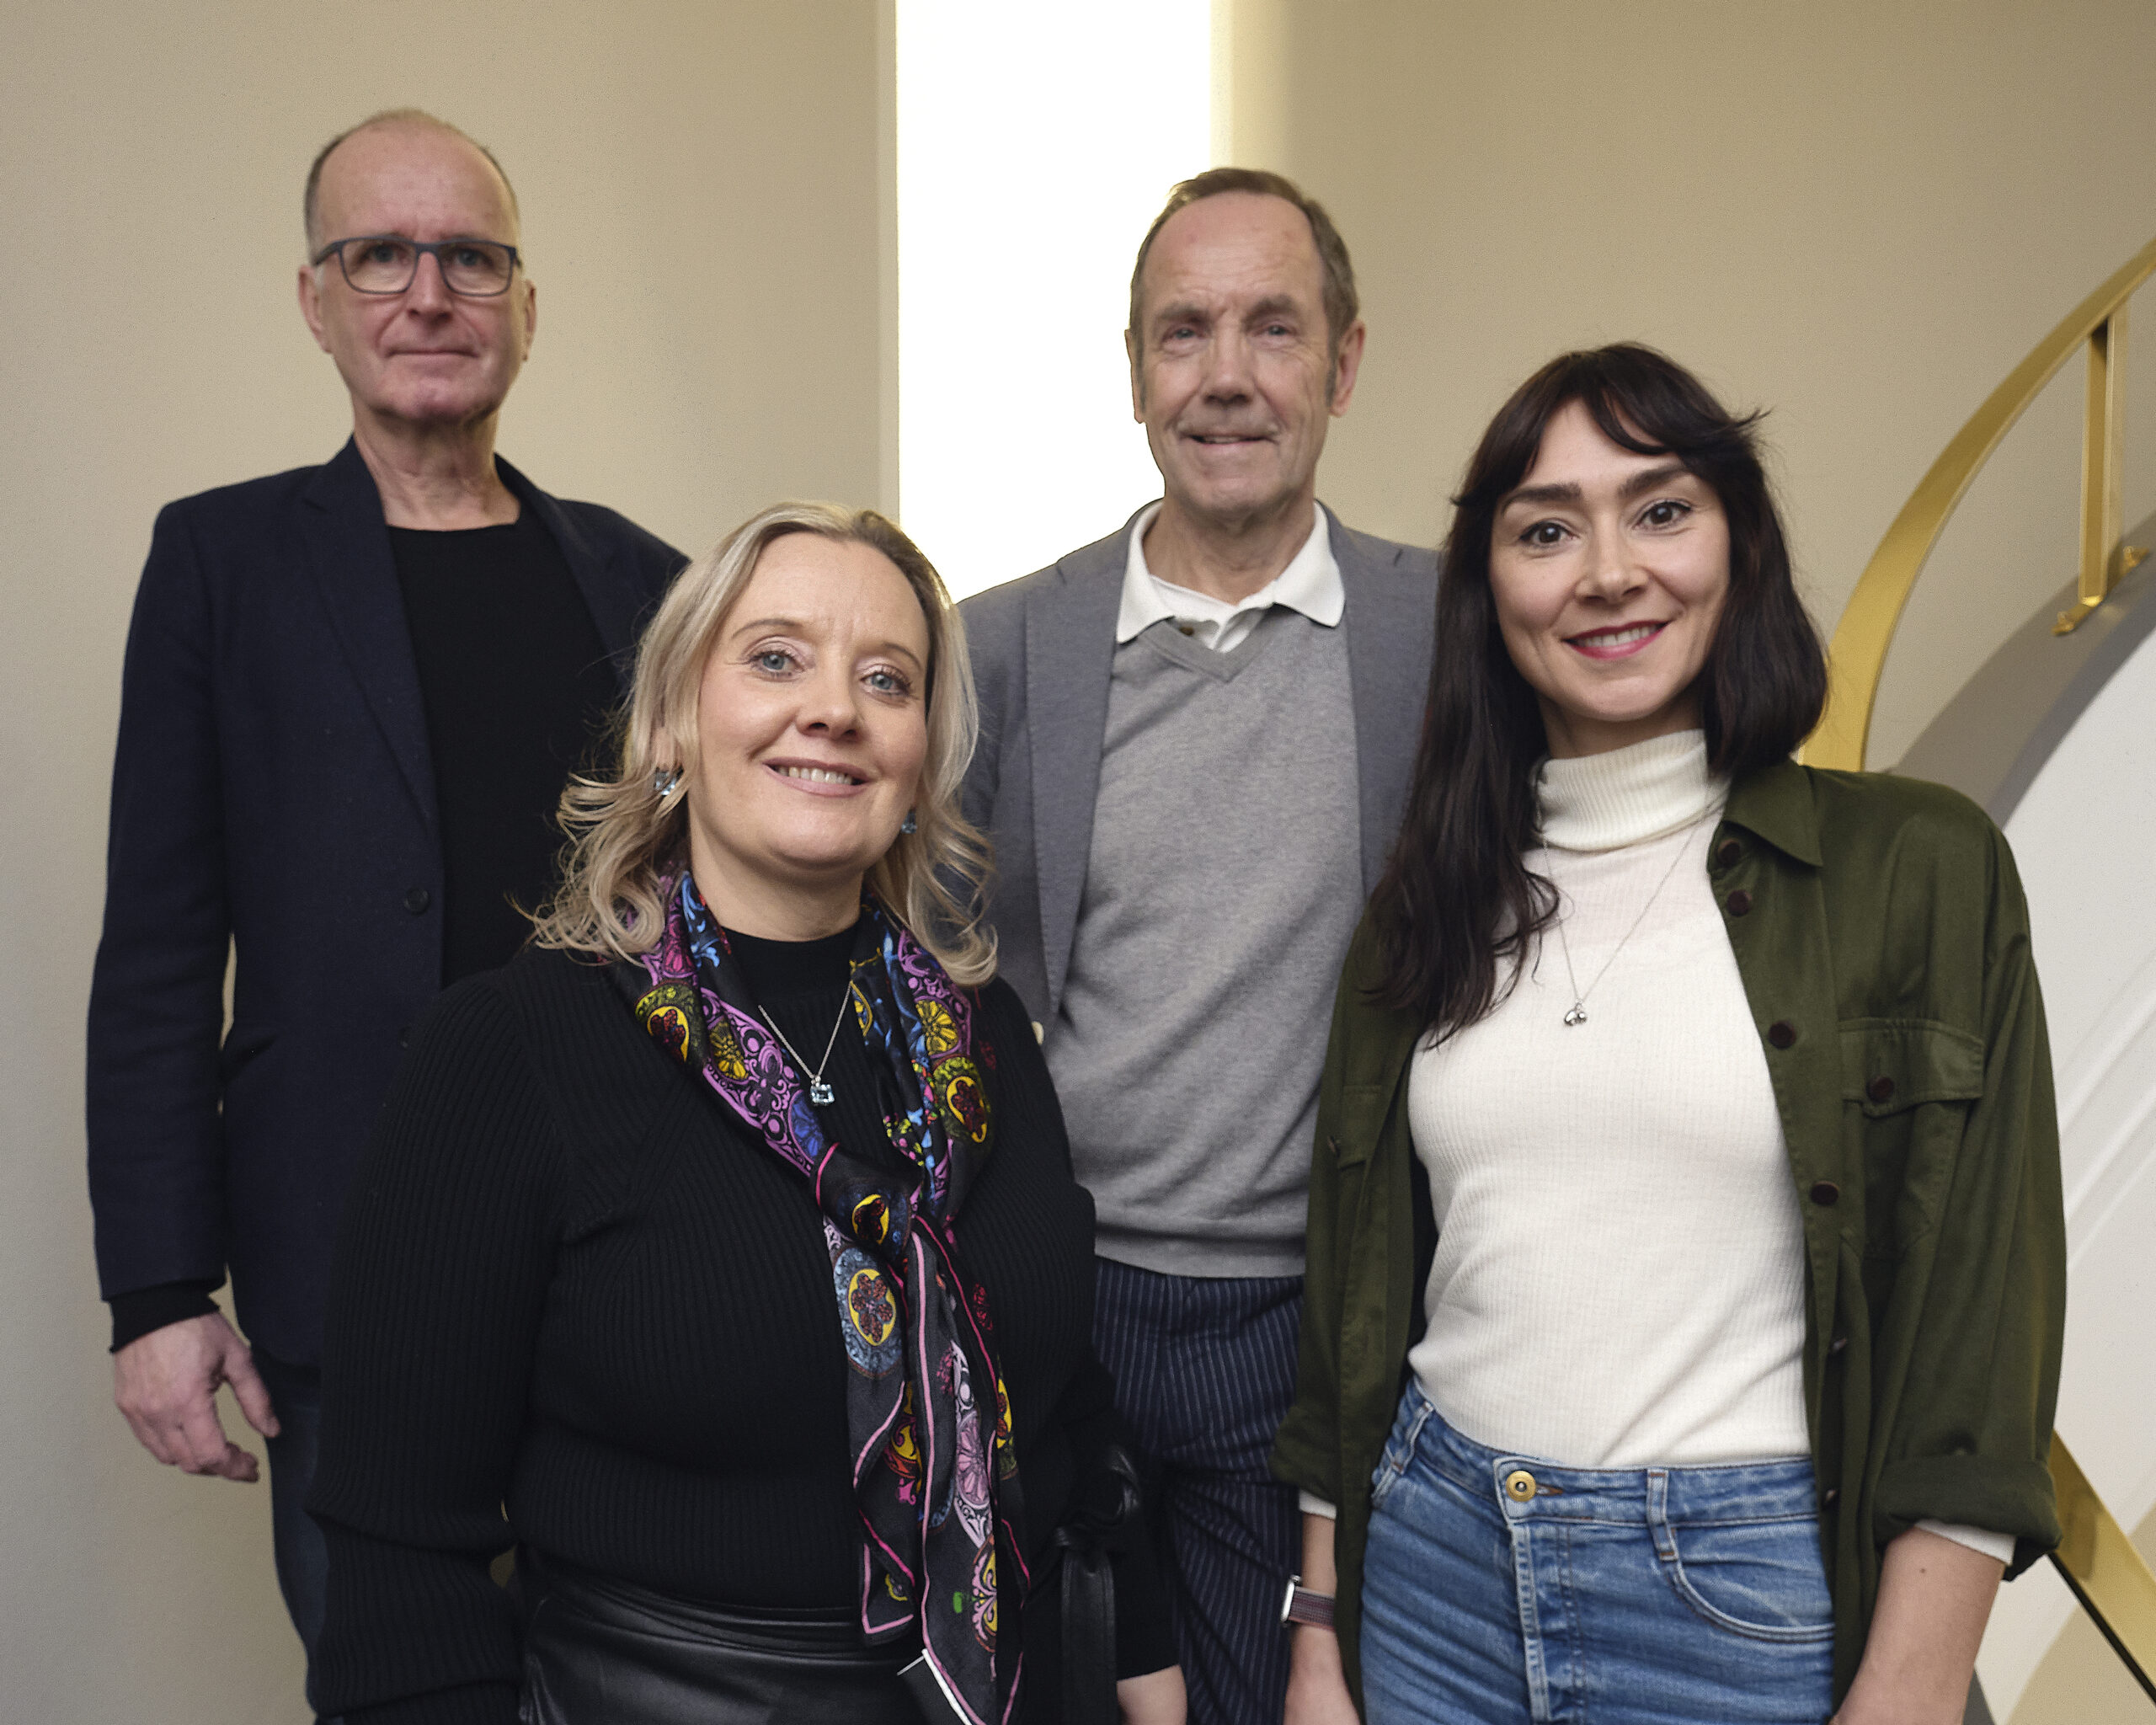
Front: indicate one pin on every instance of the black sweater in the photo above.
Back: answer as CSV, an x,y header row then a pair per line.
x,y
572,1292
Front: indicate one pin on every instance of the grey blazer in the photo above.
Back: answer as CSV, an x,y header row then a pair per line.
x,y
1042,651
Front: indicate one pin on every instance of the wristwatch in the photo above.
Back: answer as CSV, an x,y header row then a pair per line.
x,y
1305,1604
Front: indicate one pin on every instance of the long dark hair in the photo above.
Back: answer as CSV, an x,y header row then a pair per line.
x,y
1458,906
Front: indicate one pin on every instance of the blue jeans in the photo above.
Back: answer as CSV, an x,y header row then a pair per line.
x,y
303,1556
1497,1588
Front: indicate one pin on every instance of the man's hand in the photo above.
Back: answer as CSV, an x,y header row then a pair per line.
x,y
1155,1699
166,1383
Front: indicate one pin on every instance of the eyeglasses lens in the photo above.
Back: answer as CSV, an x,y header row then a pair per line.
x,y
474,267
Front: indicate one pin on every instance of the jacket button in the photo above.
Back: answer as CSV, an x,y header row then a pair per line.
x,y
417,901
1738,902
1826,1192
1782,1033
403,1036
1880,1089
1838,1345
1729,853
1834,1497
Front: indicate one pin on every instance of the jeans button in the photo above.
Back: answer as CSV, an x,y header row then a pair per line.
x,y
1519,1486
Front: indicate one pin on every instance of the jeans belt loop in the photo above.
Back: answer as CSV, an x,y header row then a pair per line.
x,y
1665,1542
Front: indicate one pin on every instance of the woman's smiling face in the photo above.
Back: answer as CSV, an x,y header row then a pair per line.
x,y
1609,569
812,732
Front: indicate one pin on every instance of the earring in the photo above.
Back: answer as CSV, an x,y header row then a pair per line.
x,y
909,824
665,782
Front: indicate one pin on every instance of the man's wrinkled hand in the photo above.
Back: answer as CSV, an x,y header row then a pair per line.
x,y
166,1383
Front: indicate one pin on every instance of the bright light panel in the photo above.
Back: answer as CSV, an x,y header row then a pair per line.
x,y
1035,144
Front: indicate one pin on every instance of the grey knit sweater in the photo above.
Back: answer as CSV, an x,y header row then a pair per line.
x,y
1223,886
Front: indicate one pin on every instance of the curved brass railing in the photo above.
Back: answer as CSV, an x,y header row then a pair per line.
x,y
2099,1563
1866,630
2103,1570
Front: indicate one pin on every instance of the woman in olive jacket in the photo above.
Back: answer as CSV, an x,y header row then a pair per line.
x,y
1790,1237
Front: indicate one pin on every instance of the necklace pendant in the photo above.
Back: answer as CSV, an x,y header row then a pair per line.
x,y
1578,1014
821,1093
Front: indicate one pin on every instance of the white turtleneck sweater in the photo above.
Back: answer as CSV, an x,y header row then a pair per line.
x,y
1619,1275
1619,1272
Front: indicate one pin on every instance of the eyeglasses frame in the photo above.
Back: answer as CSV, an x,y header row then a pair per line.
x,y
421,249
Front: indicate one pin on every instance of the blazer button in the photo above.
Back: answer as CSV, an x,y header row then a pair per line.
x,y
1838,1345
1825,1192
417,901
1738,902
1880,1089
405,1036
1729,853
1834,1497
1782,1033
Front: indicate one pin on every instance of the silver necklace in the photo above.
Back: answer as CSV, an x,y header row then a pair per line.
x,y
1577,1014
819,1092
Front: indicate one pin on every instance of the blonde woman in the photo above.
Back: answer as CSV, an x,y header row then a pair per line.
x,y
721,1253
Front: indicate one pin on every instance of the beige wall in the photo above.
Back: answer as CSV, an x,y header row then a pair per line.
x,y
1860,217
701,195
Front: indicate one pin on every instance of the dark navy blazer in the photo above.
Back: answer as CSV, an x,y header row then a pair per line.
x,y
273,789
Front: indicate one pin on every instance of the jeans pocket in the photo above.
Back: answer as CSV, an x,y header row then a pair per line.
x,y
1763,1579
1400,1448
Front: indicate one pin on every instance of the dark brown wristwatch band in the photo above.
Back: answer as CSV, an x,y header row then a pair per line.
x,y
1305,1606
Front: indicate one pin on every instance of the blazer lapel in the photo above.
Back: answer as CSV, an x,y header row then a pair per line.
x,y
348,543
1070,655
611,601
1389,619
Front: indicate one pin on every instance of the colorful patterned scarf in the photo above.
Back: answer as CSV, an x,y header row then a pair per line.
x,y
935,1476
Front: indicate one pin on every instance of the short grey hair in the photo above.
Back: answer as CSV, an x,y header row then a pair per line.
x,y
310,200
1343,304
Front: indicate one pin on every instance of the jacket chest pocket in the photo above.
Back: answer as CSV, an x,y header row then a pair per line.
x,y
1908,1086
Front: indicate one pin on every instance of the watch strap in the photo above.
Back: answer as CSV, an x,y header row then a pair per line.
x,y
1303,1604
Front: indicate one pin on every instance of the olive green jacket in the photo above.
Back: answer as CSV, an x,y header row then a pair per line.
x,y
1879,927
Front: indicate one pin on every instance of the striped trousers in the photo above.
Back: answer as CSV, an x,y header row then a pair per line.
x,y
1204,1369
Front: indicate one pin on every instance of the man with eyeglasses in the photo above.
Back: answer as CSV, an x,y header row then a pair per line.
x,y
351,696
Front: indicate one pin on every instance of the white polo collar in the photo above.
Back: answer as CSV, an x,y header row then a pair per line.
x,y
1311,584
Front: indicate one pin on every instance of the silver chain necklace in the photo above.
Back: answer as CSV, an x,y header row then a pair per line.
x,y
1577,1014
820,1092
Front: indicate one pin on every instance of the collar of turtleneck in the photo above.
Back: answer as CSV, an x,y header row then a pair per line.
x,y
1627,796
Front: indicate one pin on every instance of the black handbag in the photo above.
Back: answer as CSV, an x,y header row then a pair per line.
x,y
1090,1538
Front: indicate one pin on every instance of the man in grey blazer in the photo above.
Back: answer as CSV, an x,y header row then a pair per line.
x,y
1195,738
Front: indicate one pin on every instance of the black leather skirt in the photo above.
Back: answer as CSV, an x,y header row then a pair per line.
x,y
600,1651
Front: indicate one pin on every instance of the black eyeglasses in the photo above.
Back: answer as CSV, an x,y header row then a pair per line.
x,y
387,263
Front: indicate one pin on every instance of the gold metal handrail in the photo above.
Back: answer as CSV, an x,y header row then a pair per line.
x,y
2099,1563
1866,630
2107,1573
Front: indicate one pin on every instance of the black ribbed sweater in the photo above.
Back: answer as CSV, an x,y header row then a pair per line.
x,y
570,1289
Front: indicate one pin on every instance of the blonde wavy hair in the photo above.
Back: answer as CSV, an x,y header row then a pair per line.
x,y
625,838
